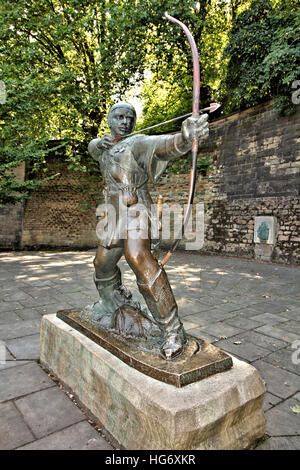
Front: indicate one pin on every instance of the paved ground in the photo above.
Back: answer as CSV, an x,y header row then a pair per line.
x,y
249,309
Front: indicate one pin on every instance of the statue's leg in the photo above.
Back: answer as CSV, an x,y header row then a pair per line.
x,y
106,261
153,284
108,282
107,279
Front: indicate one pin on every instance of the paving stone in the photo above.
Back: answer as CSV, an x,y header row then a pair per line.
x,y
277,443
48,411
16,295
269,318
244,301
25,348
64,289
269,307
47,298
7,276
293,314
9,317
220,297
12,363
188,325
7,354
296,441
35,282
282,421
280,382
21,380
293,326
6,287
297,396
30,313
263,341
247,351
229,308
199,333
53,308
37,291
80,436
221,329
279,333
9,306
292,302
247,312
219,315
62,298
228,285
19,329
187,307
284,359
243,323
201,319
37,302
14,432
207,299
270,401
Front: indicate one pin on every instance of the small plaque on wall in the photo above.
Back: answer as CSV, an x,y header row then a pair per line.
x,y
265,229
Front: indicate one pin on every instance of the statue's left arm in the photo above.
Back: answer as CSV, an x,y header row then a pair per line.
x,y
97,146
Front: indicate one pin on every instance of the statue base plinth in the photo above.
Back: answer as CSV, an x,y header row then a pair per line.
x,y
198,360
223,411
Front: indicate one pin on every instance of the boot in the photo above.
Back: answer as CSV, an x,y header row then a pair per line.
x,y
160,300
113,295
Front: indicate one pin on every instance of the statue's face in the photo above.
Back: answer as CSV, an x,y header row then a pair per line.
x,y
121,121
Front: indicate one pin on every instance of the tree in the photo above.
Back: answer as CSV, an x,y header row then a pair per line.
x,y
62,62
263,56
167,92
65,61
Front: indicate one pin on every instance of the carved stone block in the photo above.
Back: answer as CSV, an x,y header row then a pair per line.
x,y
223,411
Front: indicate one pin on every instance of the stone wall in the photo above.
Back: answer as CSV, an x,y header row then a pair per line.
x,y
61,213
254,171
11,218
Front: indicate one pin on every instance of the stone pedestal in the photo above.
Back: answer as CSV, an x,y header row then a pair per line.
x,y
223,411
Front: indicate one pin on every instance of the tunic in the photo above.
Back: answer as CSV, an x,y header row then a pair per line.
x,y
127,167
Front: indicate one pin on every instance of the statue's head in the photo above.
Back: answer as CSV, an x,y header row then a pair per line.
x,y
121,119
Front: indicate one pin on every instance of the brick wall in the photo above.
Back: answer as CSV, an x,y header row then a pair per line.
x,y
61,213
11,218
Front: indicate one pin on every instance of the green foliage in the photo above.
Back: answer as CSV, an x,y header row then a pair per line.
x,y
264,56
183,164
12,191
167,91
63,63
